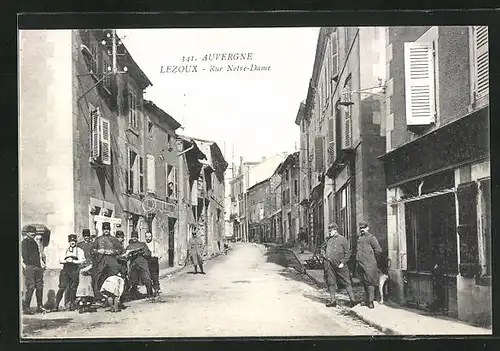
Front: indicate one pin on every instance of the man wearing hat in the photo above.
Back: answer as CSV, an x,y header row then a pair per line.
x,y
367,248
33,267
138,252
195,252
122,260
71,258
336,254
86,243
105,250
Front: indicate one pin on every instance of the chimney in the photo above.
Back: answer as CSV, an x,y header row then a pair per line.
x,y
263,158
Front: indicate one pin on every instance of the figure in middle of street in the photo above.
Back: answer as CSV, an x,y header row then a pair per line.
x,y
336,254
195,252
71,259
154,262
367,250
139,253
302,239
105,249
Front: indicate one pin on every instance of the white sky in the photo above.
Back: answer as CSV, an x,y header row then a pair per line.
x,y
254,111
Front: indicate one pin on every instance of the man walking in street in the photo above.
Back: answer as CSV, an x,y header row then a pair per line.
x,y
336,254
154,262
33,268
139,253
302,239
105,250
71,259
367,248
195,252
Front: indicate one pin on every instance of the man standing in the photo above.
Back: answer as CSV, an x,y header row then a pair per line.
x,y
367,248
86,244
154,262
336,254
139,253
33,267
105,250
122,260
71,258
302,239
195,252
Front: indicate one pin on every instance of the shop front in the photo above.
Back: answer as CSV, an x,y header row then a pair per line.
x,y
439,220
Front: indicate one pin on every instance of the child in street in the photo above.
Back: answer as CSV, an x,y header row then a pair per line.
x,y
112,289
85,293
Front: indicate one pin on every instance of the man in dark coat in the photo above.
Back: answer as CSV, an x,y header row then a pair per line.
x,y
86,245
105,250
367,248
336,253
122,260
33,268
138,272
302,239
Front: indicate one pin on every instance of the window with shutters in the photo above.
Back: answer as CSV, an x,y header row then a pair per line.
x,y
480,62
105,70
347,115
331,141
420,91
318,153
105,139
151,173
172,182
135,173
334,56
132,109
100,137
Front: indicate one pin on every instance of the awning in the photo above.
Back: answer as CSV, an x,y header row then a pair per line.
x,y
424,196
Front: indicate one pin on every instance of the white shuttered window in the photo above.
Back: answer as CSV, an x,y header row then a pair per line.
x,y
151,173
481,61
420,92
105,141
95,143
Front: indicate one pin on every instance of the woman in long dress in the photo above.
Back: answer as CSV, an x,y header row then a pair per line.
x,y
85,292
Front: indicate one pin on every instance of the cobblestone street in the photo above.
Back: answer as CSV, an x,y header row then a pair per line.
x,y
242,294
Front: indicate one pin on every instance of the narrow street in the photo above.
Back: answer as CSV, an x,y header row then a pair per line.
x,y
246,293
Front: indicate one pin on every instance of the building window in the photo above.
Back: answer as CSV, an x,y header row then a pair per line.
x,y
347,113
420,79
151,128
151,173
105,70
296,187
100,137
172,182
480,62
135,174
343,212
132,111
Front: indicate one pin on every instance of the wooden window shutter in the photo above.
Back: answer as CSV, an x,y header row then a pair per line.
x,y
131,170
335,56
331,141
95,133
481,61
141,174
151,173
419,83
319,154
105,142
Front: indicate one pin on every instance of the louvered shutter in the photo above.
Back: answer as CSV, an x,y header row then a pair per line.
x,y
141,174
335,60
132,172
319,154
95,133
331,141
481,61
105,142
151,173
419,83
176,182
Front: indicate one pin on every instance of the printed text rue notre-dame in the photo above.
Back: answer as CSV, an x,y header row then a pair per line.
x,y
230,67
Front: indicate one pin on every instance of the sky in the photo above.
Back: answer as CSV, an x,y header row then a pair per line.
x,y
250,112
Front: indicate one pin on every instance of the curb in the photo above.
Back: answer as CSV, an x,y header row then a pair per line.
x,y
385,330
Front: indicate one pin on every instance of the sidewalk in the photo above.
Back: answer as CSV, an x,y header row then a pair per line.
x,y
391,318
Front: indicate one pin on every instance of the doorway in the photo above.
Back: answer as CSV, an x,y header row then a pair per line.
x,y
171,241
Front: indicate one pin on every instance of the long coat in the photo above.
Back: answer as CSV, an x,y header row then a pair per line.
x,y
138,266
336,250
367,248
195,250
105,265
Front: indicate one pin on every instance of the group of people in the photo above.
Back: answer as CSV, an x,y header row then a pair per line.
x,y
96,272
336,254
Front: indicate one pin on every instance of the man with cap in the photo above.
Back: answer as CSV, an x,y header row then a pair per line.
x,y
86,243
71,259
138,252
195,252
336,253
33,267
366,251
153,262
105,250
122,260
